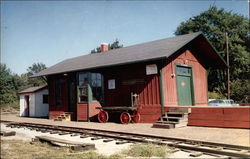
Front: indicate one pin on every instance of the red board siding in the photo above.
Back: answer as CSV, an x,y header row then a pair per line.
x,y
147,87
82,111
199,79
234,117
150,114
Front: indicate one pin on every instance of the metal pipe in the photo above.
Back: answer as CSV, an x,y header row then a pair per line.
x,y
228,70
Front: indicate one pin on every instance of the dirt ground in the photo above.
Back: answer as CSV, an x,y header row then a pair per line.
x,y
221,135
21,147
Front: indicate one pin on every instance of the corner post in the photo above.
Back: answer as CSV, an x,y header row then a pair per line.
x,y
161,93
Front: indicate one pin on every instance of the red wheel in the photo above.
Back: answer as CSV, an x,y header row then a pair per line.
x,y
136,116
125,118
103,116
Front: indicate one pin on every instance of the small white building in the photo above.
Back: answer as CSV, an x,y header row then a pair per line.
x,y
34,102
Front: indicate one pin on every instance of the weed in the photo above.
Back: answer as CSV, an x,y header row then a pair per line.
x,y
147,150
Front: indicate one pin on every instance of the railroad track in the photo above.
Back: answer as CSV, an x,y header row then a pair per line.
x,y
210,148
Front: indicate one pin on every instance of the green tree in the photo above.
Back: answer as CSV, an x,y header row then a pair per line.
x,y
35,68
214,23
114,45
10,85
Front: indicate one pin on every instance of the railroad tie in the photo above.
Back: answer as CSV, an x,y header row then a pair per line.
x,y
84,136
96,138
8,125
196,154
64,133
75,134
84,147
108,140
244,151
218,148
174,150
121,142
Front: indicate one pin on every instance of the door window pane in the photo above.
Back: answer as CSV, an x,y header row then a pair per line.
x,y
83,87
183,70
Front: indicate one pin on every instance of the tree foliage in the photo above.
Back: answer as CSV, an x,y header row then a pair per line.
x,y
35,68
214,23
12,83
114,45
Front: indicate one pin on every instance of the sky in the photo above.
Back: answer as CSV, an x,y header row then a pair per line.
x,y
52,31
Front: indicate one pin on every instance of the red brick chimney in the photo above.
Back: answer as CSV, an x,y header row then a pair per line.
x,y
104,47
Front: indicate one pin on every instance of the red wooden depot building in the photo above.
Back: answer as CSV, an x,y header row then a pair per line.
x,y
164,73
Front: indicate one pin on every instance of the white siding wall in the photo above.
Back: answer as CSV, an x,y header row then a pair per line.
x,y
36,106
41,110
32,105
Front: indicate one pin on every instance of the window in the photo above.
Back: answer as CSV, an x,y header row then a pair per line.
x,y
83,87
95,81
97,86
58,94
45,99
83,79
183,70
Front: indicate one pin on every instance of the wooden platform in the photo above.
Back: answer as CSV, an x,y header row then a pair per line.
x,y
117,108
228,117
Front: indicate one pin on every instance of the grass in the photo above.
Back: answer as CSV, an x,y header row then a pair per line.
x,y
10,107
18,149
147,150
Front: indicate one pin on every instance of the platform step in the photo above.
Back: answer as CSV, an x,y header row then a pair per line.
x,y
167,122
56,119
175,119
176,114
182,110
162,125
63,117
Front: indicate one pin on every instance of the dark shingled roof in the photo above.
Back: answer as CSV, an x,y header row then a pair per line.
x,y
32,89
131,54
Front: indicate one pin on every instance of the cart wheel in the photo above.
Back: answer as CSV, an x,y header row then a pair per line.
x,y
136,116
125,118
103,116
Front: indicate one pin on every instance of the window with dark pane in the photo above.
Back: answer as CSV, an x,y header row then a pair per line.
x,y
97,86
45,99
83,87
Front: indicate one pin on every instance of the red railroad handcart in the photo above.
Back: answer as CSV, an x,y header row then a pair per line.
x,y
127,114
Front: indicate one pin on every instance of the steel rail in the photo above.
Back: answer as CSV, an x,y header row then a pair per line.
x,y
195,145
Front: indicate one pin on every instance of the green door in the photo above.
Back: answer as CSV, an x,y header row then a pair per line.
x,y
184,85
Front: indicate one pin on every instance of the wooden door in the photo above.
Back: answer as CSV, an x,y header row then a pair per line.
x,y
61,95
184,85
83,97
72,98
27,108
